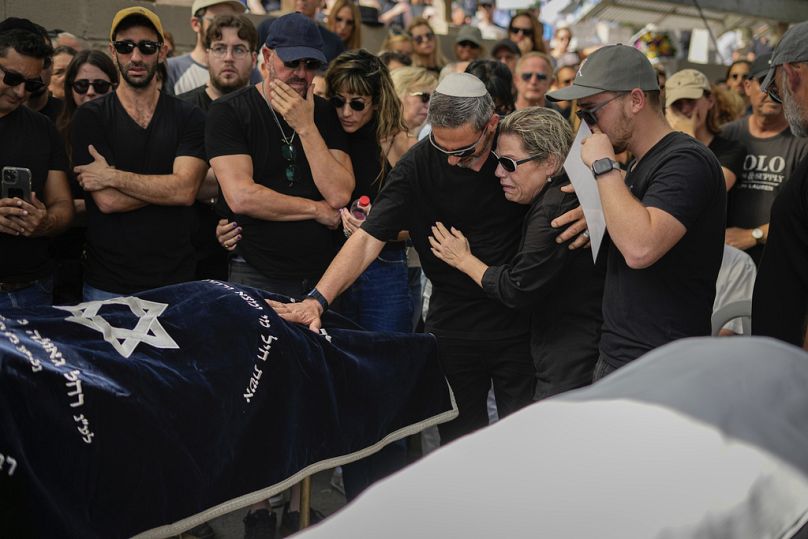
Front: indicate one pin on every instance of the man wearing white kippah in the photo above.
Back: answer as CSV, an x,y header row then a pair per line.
x,y
449,178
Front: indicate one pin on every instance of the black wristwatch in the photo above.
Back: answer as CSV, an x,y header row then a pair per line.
x,y
319,298
602,166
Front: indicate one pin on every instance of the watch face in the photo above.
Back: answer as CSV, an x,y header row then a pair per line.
x,y
601,166
757,233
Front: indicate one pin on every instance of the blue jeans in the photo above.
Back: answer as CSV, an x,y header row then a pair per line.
x,y
90,293
379,300
39,294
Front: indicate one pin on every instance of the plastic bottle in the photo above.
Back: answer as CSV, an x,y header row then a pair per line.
x,y
360,208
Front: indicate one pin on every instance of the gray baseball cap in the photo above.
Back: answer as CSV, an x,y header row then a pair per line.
x,y
793,48
615,68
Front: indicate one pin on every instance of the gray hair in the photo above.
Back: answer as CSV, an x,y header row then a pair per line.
x,y
543,132
450,111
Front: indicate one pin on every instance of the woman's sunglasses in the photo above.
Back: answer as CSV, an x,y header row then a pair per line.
x,y
82,86
145,46
425,96
511,164
13,79
426,37
356,103
524,31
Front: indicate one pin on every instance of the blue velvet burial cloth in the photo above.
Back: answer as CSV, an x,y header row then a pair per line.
x,y
154,413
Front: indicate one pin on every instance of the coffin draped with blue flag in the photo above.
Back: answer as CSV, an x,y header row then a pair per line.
x,y
151,414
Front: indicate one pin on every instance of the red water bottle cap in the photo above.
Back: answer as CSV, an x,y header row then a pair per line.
x,y
364,200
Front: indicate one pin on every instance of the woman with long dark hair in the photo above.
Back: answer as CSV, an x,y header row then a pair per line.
x,y
91,74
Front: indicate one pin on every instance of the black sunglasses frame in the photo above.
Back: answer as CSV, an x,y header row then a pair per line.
x,y
310,64
771,89
530,74
524,31
14,79
101,86
145,46
355,103
591,116
462,152
510,164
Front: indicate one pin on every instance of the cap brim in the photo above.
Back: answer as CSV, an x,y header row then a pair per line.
x,y
290,54
764,86
673,95
573,92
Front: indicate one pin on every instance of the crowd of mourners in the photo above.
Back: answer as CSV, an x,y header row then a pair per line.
x,y
127,168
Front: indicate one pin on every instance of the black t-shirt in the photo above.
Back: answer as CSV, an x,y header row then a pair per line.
x,y
198,96
673,298
767,166
422,189
150,246
730,153
242,124
780,300
52,108
29,140
563,288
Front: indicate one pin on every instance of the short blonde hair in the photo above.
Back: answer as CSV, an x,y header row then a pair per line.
x,y
409,77
537,54
544,133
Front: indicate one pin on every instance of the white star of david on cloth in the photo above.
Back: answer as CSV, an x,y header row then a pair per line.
x,y
148,329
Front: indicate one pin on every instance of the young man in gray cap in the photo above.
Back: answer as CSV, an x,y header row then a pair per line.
x,y
665,216
449,178
280,155
772,154
780,300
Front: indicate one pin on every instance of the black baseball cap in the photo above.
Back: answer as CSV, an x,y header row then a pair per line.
x,y
294,37
615,68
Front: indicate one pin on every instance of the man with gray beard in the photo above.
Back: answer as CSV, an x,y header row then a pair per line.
x,y
780,299
140,156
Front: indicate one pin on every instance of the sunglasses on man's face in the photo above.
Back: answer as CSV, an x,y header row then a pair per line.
x,y
424,96
425,37
356,103
529,75
468,44
82,86
145,46
524,31
309,64
771,89
590,116
14,79
511,164
736,76
462,152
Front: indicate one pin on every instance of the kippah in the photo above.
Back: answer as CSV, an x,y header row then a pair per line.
x,y
462,85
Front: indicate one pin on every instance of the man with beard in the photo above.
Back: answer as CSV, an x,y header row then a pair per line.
x,y
280,155
140,159
772,154
190,70
665,216
230,42
780,299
